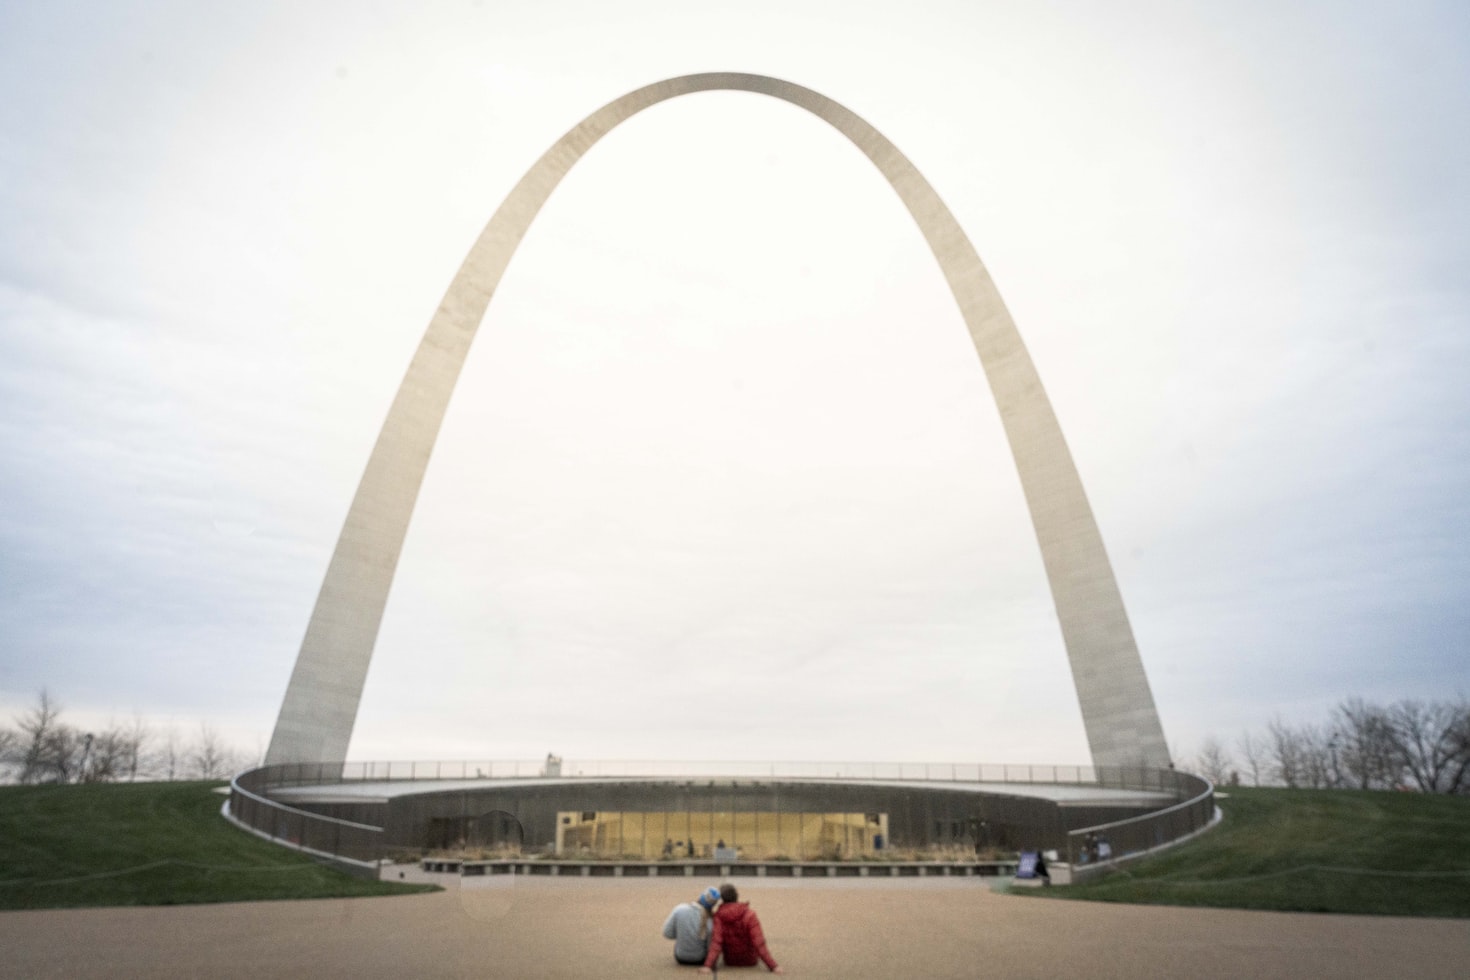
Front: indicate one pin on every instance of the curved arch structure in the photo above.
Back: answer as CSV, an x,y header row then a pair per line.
x,y
322,698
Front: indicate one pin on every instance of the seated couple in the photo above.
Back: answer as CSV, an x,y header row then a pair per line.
x,y
714,923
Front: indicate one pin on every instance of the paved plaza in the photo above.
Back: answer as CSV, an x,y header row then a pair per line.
x,y
609,928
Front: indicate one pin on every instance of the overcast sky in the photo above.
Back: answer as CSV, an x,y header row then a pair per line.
x,y
722,478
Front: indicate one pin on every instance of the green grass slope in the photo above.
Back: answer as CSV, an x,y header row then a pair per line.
x,y
147,844
1311,851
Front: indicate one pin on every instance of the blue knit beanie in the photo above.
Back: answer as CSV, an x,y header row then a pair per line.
x,y
710,898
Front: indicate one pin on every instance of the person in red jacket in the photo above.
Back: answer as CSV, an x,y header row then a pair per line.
x,y
738,935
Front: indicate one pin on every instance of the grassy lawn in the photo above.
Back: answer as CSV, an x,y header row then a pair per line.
x,y
1310,851
147,844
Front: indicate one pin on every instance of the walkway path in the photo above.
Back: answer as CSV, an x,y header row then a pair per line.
x,y
841,929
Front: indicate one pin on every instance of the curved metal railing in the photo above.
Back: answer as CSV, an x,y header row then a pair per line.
x,y
1110,842
341,840
1110,777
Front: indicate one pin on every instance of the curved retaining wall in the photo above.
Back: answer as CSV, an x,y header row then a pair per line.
x,y
932,813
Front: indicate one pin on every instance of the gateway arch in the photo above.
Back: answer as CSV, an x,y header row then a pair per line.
x,y
321,702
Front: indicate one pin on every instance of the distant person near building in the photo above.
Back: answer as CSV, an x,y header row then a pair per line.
x,y
690,926
738,935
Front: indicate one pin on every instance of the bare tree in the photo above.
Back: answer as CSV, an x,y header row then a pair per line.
x,y
1459,778
106,756
1256,753
35,727
1285,746
1213,761
1300,757
49,750
1318,768
135,747
61,755
1364,742
10,754
1428,745
42,749
211,757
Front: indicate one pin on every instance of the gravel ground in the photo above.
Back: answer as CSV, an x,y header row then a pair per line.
x,y
609,928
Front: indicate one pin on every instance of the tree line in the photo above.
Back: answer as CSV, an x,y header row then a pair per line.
x,y
40,747
1409,745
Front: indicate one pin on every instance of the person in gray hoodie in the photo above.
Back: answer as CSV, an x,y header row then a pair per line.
x,y
689,927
